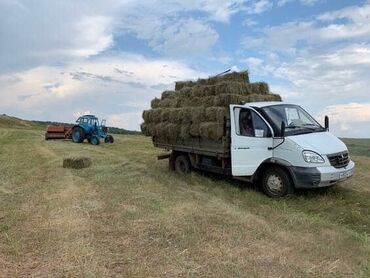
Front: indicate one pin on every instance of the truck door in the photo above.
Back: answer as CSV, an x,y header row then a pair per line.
x,y
251,138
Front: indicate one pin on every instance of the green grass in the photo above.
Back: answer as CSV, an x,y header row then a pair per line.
x,y
358,146
127,215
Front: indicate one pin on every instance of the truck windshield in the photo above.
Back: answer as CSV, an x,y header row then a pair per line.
x,y
297,120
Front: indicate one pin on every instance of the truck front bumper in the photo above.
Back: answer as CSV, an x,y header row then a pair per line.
x,y
312,177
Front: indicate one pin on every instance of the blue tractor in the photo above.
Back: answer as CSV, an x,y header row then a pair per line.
x,y
88,127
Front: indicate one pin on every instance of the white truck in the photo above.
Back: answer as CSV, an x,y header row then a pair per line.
x,y
275,144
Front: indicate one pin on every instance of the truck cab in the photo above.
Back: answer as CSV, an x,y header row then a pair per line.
x,y
284,147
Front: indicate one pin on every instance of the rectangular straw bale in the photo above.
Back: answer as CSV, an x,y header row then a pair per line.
x,y
165,115
161,130
258,97
144,129
232,87
259,88
185,115
206,101
147,116
203,91
167,94
194,129
184,92
168,102
173,131
216,114
211,130
233,76
156,115
185,131
174,116
155,103
182,84
226,100
197,114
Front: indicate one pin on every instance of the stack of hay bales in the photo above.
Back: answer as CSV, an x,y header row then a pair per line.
x,y
200,108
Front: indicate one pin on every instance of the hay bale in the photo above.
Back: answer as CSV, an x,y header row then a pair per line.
x,y
259,88
185,131
167,94
185,115
182,84
194,129
156,115
76,162
147,116
211,130
197,114
233,88
203,91
155,103
216,114
242,77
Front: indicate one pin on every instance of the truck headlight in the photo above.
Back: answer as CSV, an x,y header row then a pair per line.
x,y
312,157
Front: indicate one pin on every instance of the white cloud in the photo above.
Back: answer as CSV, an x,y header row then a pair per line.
x,y
281,3
259,6
349,120
104,86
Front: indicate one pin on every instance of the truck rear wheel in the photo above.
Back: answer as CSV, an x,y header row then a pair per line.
x,y
276,182
182,164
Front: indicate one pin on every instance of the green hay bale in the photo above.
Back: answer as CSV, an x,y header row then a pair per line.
x,y
173,131
183,84
211,130
165,115
242,77
185,115
197,114
184,92
234,88
167,94
168,102
76,162
147,115
156,115
155,103
216,114
226,100
259,88
194,129
185,131
203,91
258,98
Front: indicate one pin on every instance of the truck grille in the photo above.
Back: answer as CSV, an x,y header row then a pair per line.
x,y
339,160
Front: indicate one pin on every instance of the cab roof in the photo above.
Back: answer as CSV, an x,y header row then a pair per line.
x,y
265,103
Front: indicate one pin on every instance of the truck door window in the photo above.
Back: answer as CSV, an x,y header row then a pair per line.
x,y
250,124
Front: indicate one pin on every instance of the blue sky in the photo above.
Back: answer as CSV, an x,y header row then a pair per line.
x,y
61,59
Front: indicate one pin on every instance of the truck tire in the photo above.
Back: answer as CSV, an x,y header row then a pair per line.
x,y
78,134
182,164
276,182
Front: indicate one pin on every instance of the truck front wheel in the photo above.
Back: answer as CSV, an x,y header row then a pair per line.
x,y
182,164
276,182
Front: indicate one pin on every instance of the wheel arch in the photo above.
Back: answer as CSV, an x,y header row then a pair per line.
x,y
281,163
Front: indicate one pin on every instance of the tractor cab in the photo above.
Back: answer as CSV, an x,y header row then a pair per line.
x,y
88,127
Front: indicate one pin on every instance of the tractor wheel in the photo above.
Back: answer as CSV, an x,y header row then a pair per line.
x,y
109,139
78,134
95,140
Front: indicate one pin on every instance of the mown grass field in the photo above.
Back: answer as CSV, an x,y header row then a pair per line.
x,y
127,215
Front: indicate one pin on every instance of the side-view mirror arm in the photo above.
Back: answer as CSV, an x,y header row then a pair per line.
x,y
327,123
282,136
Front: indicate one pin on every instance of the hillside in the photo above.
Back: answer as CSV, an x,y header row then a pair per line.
x,y
127,215
13,122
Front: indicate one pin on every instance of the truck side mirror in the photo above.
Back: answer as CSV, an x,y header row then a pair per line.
x,y
326,122
282,129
